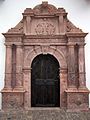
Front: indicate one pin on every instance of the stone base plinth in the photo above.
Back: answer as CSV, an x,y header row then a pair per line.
x,y
12,100
77,99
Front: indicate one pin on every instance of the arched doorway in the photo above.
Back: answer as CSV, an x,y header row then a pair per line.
x,y
45,83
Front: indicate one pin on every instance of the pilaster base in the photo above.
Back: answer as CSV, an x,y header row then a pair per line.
x,y
12,100
77,99
18,89
6,89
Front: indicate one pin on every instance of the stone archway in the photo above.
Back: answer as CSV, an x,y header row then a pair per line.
x,y
28,59
44,50
45,81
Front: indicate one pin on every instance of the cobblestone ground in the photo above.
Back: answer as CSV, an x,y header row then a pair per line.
x,y
44,114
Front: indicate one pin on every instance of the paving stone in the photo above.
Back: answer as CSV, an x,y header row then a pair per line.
x,y
40,114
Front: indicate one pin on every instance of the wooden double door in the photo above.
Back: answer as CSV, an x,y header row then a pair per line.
x,y
45,83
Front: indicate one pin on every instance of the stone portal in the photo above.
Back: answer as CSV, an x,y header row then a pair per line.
x,y
45,82
45,52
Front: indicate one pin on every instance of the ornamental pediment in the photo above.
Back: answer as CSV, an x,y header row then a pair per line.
x,y
44,19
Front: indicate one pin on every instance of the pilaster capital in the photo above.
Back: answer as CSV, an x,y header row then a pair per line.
x,y
81,45
19,46
8,45
71,46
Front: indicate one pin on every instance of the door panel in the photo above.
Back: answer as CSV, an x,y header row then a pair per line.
x,y
45,81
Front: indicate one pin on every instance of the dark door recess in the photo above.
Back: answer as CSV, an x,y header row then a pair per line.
x,y
45,83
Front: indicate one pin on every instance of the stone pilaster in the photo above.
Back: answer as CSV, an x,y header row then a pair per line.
x,y
8,68
61,25
19,62
71,66
82,79
27,87
63,86
28,24
30,89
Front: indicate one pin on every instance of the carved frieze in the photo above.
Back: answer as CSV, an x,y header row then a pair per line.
x,y
45,27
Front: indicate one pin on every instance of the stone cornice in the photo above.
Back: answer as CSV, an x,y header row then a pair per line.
x,y
38,10
13,34
44,15
76,34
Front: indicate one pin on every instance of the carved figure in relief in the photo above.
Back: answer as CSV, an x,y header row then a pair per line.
x,y
45,28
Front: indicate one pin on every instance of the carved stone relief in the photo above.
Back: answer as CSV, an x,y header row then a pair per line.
x,y
45,27
44,8
13,100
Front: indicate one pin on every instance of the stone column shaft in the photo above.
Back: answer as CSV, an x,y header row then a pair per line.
x,y
8,68
82,79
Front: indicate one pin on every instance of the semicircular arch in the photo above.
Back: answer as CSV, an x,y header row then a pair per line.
x,y
53,51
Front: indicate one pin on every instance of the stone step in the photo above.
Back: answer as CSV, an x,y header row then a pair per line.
x,y
44,114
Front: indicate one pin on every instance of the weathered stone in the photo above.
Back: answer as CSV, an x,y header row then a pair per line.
x,y
45,114
45,30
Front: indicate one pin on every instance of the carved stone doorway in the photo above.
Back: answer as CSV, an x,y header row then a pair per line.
x,y
45,83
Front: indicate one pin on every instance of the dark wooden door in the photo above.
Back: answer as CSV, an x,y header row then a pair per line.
x,y
45,86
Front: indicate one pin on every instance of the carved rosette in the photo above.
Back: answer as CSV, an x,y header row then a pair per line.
x,y
45,28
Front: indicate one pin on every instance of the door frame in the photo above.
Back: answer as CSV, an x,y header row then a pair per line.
x,y
54,60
